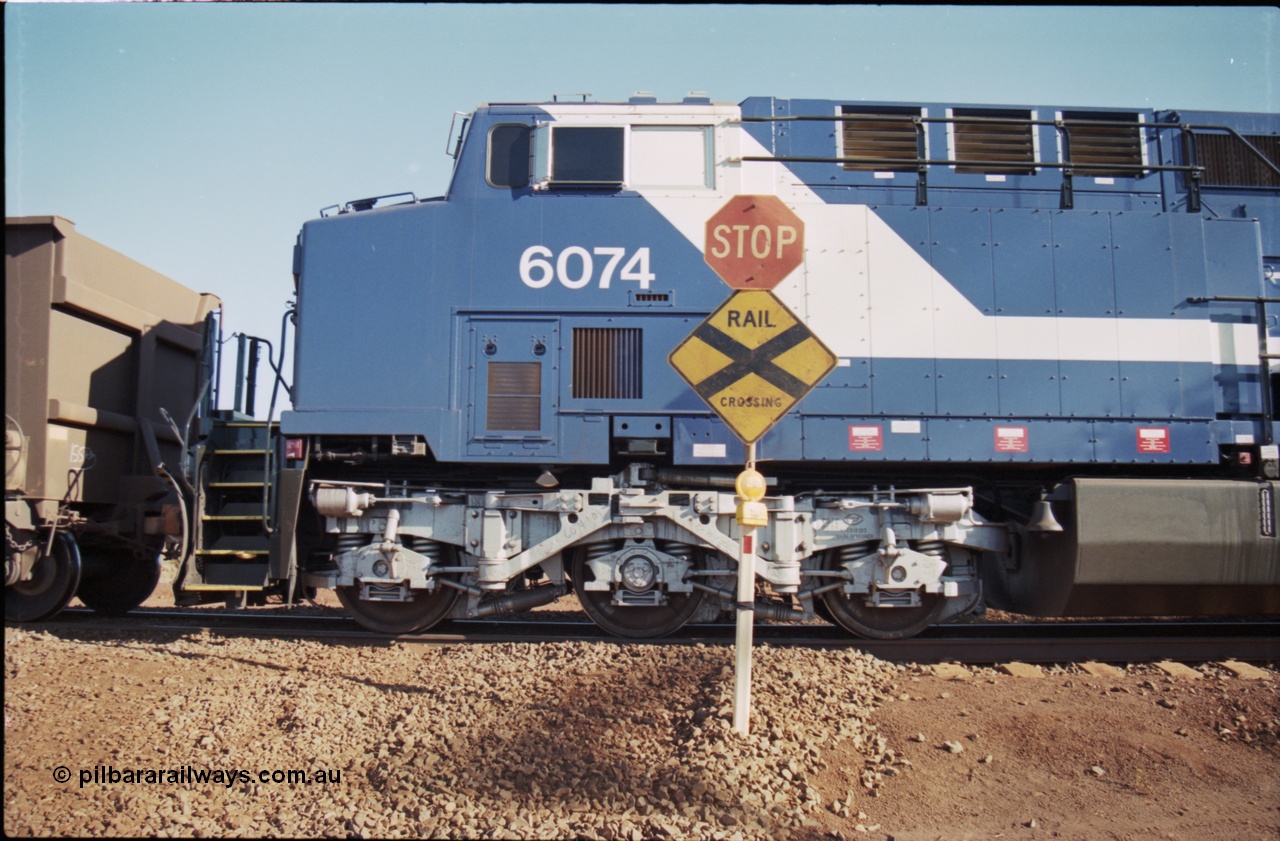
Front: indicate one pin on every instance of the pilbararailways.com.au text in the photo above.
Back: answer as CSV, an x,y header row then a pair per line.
x,y
190,775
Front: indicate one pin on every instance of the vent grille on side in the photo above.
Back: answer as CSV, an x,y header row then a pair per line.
x,y
880,133
1229,163
1096,149
607,363
994,147
515,396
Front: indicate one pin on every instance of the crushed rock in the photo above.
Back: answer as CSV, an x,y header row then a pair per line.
x,y
504,740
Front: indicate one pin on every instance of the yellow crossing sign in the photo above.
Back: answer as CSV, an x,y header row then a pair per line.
x,y
752,360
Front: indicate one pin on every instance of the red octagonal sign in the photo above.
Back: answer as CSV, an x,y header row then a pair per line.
x,y
753,242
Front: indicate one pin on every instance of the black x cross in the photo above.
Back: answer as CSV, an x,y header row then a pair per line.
x,y
748,361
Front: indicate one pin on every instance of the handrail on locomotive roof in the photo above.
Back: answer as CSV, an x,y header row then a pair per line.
x,y
370,203
1061,125
921,163
963,162
462,132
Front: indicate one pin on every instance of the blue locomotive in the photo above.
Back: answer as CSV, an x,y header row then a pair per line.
x,y
1053,387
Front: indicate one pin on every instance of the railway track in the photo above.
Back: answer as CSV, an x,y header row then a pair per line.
x,y
976,643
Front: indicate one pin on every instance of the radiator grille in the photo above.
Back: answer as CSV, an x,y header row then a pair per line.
x,y
880,133
991,146
1097,149
1229,163
514,396
607,363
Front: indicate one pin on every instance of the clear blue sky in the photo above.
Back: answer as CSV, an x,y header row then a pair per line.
x,y
198,137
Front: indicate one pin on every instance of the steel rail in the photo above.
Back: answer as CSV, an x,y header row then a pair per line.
x,y
975,643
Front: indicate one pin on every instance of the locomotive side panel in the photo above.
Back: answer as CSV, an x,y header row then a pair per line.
x,y
1015,296
494,255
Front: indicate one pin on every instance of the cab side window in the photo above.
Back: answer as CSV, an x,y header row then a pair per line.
x,y
509,156
580,156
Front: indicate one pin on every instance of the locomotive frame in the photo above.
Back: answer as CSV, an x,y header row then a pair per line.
x,y
1055,391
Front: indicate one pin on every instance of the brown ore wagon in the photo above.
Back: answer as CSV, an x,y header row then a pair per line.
x,y
105,369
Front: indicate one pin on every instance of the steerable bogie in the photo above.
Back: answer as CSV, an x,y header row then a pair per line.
x,y
644,560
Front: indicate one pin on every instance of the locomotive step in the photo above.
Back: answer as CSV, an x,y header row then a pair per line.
x,y
237,544
244,575
238,472
237,511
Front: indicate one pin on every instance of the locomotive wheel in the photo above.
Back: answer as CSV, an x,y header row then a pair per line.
x,y
51,586
881,623
632,622
820,608
423,611
115,581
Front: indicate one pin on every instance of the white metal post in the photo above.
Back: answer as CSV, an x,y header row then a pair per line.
x,y
746,617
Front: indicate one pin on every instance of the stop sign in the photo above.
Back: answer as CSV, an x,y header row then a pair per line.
x,y
753,242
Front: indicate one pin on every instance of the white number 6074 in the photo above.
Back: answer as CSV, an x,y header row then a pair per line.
x,y
575,268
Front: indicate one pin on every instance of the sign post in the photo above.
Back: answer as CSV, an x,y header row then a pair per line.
x,y
752,512
751,360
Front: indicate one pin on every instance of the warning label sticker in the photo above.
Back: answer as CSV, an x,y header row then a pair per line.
x,y
1153,439
866,438
1011,439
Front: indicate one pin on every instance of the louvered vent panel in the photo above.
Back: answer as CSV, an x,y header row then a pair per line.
x,y
879,134
1096,149
515,396
994,147
1229,163
607,363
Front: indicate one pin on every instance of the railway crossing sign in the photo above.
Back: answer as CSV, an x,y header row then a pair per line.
x,y
753,242
752,360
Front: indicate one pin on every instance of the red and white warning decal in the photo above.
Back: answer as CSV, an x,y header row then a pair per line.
x,y
1011,439
866,438
1153,439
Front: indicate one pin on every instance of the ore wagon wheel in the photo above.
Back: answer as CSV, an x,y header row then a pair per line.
x,y
52,584
635,622
115,580
425,609
852,613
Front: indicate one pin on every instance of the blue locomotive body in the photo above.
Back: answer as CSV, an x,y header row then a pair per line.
x,y
976,318
1037,314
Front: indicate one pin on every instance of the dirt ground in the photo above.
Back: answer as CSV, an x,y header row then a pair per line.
x,y
948,752
1073,756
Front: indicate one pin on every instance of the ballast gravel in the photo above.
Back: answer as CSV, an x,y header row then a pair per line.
x,y
592,740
